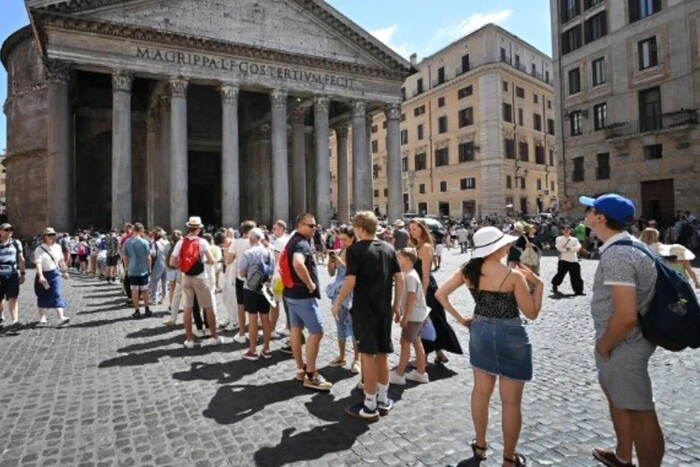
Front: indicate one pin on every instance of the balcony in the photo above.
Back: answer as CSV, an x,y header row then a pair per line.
x,y
678,120
523,68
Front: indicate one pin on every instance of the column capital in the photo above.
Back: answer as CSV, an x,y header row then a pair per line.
x,y
57,71
321,104
299,115
164,100
392,111
359,108
341,131
278,99
229,93
178,86
122,81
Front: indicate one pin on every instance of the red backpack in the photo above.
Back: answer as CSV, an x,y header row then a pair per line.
x,y
190,262
286,270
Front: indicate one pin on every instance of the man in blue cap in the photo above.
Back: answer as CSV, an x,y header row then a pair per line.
x,y
623,287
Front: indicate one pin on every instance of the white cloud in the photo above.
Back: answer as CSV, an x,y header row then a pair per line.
x,y
386,35
469,24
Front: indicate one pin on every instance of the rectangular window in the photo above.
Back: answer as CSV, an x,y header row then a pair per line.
x,y
509,148
404,137
640,9
403,117
509,182
587,4
549,104
376,193
386,192
441,75
419,111
503,54
550,126
419,132
650,110
520,92
505,86
535,98
552,186
648,55
522,183
464,92
374,128
539,155
524,151
521,118
576,123
466,151
375,171
539,183
603,169
569,10
653,151
596,27
466,117
467,183
546,76
537,121
598,72
421,188
419,86
578,175
404,164
375,146
600,116
441,102
442,157
571,40
574,81
465,63
551,157
420,161
443,187
384,124
442,124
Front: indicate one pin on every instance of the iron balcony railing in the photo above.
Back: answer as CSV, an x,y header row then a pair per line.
x,y
655,122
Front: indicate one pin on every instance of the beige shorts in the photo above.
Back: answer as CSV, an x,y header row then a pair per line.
x,y
411,331
194,286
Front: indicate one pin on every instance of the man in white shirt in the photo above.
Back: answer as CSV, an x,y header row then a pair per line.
x,y
568,247
279,230
235,252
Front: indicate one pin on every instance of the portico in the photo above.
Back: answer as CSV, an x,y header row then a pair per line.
x,y
220,121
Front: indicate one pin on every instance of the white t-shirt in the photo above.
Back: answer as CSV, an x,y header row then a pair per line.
x,y
412,284
237,248
45,259
203,247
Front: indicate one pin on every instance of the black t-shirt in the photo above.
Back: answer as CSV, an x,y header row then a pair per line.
x,y
298,244
373,263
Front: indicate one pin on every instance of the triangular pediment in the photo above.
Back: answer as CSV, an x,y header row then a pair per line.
x,y
301,27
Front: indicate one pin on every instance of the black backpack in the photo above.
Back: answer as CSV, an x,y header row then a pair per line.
x,y
673,318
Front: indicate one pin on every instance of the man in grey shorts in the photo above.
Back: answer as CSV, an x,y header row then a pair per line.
x,y
623,286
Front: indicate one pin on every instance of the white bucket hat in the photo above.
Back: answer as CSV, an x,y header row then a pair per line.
x,y
489,239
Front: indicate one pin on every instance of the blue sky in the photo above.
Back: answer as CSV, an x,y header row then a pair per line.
x,y
405,25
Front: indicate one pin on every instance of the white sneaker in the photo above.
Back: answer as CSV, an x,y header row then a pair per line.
x,y
417,377
240,338
42,320
397,379
189,344
198,333
214,341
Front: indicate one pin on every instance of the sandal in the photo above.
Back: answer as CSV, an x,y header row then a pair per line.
x,y
475,447
518,461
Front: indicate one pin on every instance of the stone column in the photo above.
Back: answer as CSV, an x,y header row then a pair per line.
x,y
370,160
362,170
323,173
121,148
280,169
154,190
162,214
60,160
393,162
178,153
298,161
341,137
230,165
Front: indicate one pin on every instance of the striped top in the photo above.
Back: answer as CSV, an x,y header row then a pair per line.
x,y
8,257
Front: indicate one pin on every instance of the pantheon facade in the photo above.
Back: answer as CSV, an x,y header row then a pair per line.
x,y
154,110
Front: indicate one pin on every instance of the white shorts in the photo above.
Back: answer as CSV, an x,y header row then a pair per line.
x,y
438,249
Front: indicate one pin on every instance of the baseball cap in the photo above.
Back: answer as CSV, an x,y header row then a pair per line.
x,y
614,206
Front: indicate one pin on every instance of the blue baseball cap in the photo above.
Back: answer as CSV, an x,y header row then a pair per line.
x,y
614,206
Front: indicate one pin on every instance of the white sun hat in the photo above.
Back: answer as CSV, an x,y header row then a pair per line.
x,y
680,252
489,239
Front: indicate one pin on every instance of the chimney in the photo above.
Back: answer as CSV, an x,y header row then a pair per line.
x,y
414,59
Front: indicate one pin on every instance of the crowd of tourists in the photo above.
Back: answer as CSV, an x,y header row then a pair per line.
x,y
381,278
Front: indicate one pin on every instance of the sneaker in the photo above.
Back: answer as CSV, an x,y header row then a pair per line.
x,y
609,458
169,323
318,383
64,321
218,340
223,325
189,344
240,338
198,333
360,411
385,407
136,315
251,356
397,379
356,368
287,349
301,374
42,320
148,313
417,377
337,361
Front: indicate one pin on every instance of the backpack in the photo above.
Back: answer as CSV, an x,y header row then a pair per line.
x,y
285,264
190,261
82,250
673,318
263,275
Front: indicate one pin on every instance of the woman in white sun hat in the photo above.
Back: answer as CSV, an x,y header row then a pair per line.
x,y
499,347
678,258
51,269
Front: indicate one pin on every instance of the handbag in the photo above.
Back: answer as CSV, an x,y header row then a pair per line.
x,y
529,256
428,332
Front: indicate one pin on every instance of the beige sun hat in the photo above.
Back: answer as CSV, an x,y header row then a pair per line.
x,y
679,252
194,222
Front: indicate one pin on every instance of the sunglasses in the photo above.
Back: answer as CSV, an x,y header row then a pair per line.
x,y
50,235
7,230
313,226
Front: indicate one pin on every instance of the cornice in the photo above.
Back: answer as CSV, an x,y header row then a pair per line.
x,y
34,153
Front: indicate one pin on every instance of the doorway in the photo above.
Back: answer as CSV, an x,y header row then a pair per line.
x,y
658,201
204,186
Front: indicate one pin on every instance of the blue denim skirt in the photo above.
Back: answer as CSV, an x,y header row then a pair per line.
x,y
501,347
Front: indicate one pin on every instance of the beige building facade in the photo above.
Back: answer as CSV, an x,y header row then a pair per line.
x,y
477,126
628,90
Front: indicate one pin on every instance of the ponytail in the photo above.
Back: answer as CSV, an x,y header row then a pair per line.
x,y
472,271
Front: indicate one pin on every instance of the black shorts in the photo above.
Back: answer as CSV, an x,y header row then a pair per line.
x,y
9,286
112,260
255,302
83,258
371,327
239,292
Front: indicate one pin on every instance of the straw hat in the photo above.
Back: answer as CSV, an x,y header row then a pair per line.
x,y
194,222
399,223
49,231
489,239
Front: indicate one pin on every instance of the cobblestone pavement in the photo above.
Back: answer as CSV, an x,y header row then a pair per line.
x,y
111,391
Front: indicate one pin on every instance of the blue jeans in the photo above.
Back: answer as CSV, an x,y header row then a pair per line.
x,y
158,275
